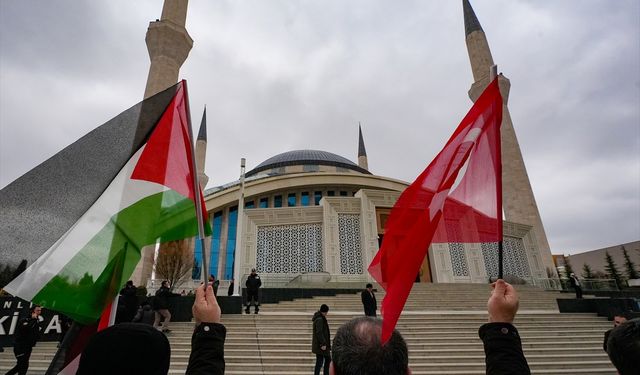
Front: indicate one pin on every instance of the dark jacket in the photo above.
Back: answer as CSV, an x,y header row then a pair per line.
x,y
606,338
574,282
230,291
321,334
503,350
162,298
144,315
129,297
27,334
369,303
207,350
253,283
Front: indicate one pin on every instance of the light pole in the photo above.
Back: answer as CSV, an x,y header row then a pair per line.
x,y
239,256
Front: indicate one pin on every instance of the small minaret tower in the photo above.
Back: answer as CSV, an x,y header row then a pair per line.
x,y
201,151
168,43
362,152
518,201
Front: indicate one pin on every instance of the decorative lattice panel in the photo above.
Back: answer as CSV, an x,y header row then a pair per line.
x,y
458,259
514,258
350,246
289,248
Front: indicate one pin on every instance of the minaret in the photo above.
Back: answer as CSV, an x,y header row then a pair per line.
x,y
169,44
518,201
362,152
201,151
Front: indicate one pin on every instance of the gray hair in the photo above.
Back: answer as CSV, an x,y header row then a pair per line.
x,y
357,350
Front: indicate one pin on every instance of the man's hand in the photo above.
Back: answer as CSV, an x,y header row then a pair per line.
x,y
503,303
205,307
323,347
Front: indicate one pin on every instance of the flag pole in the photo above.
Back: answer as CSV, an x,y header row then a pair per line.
x,y
196,187
493,73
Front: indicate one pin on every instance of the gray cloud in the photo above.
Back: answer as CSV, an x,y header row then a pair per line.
x,y
282,75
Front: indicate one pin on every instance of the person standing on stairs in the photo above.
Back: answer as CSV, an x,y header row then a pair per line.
x,y
575,284
369,301
253,285
321,340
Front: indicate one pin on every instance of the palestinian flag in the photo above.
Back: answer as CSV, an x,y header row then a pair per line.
x,y
87,212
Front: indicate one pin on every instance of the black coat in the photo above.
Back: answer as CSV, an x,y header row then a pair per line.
x,y
253,283
369,303
161,301
503,350
207,350
27,334
129,297
321,335
574,282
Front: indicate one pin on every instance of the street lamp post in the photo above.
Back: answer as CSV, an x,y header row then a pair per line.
x,y
239,256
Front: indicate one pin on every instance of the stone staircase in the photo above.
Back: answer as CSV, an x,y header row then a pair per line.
x,y
440,326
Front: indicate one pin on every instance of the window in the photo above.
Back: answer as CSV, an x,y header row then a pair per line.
x,y
304,198
291,200
231,242
215,243
331,193
264,202
316,197
344,194
250,204
310,168
277,201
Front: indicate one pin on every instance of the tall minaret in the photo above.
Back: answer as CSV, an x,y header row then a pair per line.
x,y
169,44
201,151
362,152
518,201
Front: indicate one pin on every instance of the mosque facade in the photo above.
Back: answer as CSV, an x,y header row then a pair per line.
x,y
315,215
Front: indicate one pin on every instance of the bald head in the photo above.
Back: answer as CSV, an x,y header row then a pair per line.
x,y
357,350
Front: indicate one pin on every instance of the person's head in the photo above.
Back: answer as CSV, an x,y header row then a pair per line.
x,y
572,274
126,348
253,271
619,319
369,287
357,350
165,284
324,309
35,311
212,278
129,283
623,347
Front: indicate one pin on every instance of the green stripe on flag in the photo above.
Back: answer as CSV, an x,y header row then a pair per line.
x,y
93,276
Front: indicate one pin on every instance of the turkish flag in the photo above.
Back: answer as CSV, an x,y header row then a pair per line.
x,y
458,198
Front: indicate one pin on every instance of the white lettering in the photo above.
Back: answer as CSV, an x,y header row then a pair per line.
x,y
19,305
54,324
2,331
14,321
7,305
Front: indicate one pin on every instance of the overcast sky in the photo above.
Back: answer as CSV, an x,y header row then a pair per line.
x,y
284,75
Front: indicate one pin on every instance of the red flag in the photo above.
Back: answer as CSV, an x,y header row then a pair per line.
x,y
471,205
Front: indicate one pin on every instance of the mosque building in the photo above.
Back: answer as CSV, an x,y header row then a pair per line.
x,y
315,215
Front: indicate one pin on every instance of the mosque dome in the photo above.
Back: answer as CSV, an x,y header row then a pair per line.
x,y
310,160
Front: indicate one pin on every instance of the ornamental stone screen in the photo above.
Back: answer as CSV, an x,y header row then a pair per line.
x,y
289,248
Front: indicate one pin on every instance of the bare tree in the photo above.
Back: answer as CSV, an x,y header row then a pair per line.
x,y
174,262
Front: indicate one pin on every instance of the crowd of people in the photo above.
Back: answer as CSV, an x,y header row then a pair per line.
x,y
355,350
